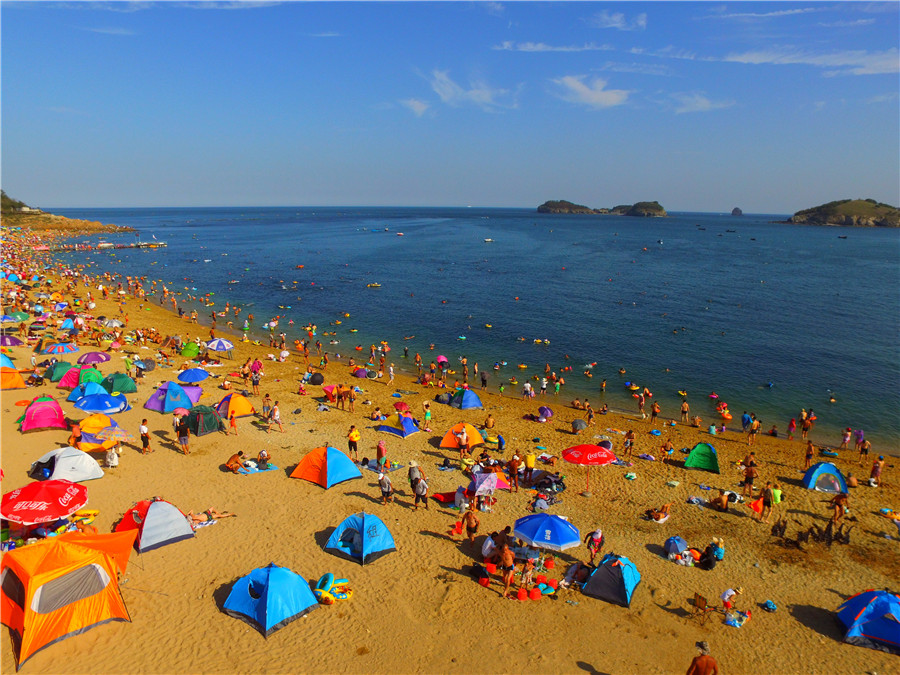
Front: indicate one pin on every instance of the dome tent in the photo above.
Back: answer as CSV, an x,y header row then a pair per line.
x,y
327,467
703,456
614,580
872,619
66,464
202,420
465,399
158,523
362,537
824,477
269,598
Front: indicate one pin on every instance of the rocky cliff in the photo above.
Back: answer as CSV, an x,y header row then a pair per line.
x,y
850,213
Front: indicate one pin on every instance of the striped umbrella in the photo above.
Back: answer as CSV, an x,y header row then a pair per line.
x,y
61,348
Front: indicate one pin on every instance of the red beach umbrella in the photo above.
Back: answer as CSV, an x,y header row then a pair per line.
x,y
43,501
590,455
401,406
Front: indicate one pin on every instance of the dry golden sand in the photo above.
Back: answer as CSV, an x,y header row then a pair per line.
x,y
417,610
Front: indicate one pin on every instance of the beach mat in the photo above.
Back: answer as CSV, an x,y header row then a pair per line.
x,y
373,466
256,469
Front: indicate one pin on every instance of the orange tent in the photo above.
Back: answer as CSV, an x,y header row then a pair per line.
x,y
452,441
60,587
326,466
92,426
237,404
10,379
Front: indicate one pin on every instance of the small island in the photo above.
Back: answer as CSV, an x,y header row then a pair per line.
x,y
640,210
736,211
849,213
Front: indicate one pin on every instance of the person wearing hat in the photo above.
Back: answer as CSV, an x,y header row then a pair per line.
x,y
877,467
513,466
845,438
387,490
414,473
729,596
594,542
703,663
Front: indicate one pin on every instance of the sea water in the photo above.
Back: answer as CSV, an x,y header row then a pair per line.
x,y
770,316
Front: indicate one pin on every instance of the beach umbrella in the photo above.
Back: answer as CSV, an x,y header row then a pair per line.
x,y
675,545
442,359
114,433
284,354
19,316
219,345
589,455
38,308
545,412
93,357
42,296
483,483
360,372
60,306
145,364
43,501
6,318
113,323
544,530
401,406
61,348
193,375
578,425
181,412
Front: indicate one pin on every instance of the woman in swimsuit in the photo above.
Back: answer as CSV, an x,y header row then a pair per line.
x,y
208,516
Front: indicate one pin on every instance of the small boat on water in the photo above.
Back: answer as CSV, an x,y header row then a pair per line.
x,y
842,236
488,241
373,285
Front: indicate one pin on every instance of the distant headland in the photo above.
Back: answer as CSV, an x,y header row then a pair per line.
x,y
18,214
849,213
641,209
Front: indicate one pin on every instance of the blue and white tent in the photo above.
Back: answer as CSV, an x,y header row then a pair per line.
x,y
872,619
269,598
465,399
362,537
824,477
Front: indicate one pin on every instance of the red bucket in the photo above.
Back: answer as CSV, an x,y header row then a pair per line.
x,y
522,594
540,579
484,581
535,593
491,568
553,583
550,564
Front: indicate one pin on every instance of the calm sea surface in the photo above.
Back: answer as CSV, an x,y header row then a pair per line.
x,y
698,302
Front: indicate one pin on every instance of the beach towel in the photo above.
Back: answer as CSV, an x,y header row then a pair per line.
x,y
373,466
256,469
446,468
197,526
650,458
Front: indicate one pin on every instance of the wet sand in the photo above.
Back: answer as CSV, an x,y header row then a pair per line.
x,y
418,610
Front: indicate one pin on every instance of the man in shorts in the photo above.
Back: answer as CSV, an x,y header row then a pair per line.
x,y
145,438
352,443
864,451
387,490
750,473
507,566
420,488
183,433
471,523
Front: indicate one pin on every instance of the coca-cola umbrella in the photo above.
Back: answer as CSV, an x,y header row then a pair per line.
x,y
43,501
401,406
590,455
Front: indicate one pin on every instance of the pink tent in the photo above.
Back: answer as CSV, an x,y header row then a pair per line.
x,y
43,415
72,378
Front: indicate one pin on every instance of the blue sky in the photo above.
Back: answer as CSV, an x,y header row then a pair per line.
x,y
772,107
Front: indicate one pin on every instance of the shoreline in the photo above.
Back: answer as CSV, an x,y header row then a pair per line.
x,y
425,583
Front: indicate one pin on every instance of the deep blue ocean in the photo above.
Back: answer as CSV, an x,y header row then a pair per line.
x,y
698,302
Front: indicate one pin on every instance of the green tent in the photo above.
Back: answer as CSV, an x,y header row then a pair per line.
x,y
202,420
703,456
56,371
119,382
190,350
90,375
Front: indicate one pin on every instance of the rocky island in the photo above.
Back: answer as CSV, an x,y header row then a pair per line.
x,y
849,213
736,211
641,209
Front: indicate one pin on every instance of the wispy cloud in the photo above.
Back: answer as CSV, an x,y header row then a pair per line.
x,y
883,98
848,24
417,106
594,94
493,8
479,93
636,68
213,4
618,20
857,62
326,34
509,46
697,102
763,15
111,31
668,53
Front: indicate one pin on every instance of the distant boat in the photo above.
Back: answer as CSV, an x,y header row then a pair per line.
x,y
842,236
399,234
489,241
373,285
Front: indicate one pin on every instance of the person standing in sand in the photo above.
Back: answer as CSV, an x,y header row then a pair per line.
x,y
654,412
754,429
629,442
877,468
183,432
792,427
685,410
353,443
507,565
387,489
750,473
275,418
703,663
863,448
809,455
471,523
145,438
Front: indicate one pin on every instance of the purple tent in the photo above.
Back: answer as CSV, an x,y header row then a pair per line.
x,y
171,395
359,372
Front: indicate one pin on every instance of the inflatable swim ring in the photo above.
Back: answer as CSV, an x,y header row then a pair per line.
x,y
522,366
324,597
726,415
325,582
682,392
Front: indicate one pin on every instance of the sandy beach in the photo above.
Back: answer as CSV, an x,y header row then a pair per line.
x,y
418,609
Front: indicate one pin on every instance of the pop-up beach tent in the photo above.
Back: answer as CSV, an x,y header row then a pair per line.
x,y
86,389
237,404
158,523
703,456
66,464
202,420
119,382
190,350
614,580
872,619
43,413
824,477
269,598
464,399
61,587
79,375
55,371
11,379
326,466
451,439
171,395
91,427
362,537
399,425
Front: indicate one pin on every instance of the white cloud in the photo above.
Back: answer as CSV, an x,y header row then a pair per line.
x,y
667,53
883,98
417,106
858,62
213,4
636,68
697,102
848,24
111,31
493,8
510,46
593,94
618,20
479,93
327,34
764,15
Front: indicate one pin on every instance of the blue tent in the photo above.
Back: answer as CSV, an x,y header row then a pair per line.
x,y
171,395
399,425
465,399
68,324
85,389
270,598
675,545
326,466
103,403
362,537
6,362
614,580
872,619
824,477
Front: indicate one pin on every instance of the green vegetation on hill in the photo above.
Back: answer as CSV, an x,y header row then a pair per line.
x,y
641,209
562,206
850,212
8,204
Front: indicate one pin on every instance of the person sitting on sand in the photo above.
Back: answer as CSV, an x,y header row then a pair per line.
x,y
696,421
720,503
712,554
489,422
577,404
489,551
376,415
235,462
207,516
226,385
661,513
263,459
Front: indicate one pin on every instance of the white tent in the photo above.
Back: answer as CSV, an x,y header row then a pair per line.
x,y
67,464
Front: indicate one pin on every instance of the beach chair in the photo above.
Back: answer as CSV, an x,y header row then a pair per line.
x,y
701,609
